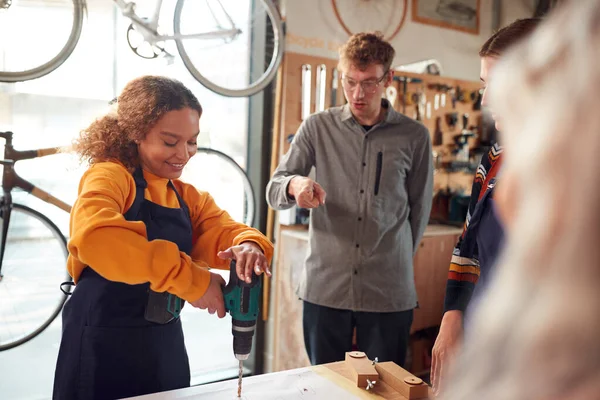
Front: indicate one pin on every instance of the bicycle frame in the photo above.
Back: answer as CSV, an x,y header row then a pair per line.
x,y
149,28
11,180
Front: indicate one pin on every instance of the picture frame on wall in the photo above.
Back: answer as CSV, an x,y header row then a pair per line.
x,y
460,15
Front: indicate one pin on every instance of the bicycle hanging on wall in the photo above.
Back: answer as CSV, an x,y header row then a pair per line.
x,y
386,16
227,31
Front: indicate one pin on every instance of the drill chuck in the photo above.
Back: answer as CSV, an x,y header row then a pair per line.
x,y
242,331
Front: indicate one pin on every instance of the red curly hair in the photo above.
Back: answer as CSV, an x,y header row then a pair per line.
x,y
140,105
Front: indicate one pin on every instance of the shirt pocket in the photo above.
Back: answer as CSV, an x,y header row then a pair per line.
x,y
388,184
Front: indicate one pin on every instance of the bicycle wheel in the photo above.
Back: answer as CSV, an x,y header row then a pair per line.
x,y
237,67
386,16
47,49
215,172
33,267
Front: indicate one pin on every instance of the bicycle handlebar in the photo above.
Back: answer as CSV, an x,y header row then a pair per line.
x,y
6,135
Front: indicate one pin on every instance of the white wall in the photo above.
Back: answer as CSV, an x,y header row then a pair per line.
x,y
514,9
313,29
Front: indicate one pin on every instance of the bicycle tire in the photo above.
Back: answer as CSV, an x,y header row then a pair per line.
x,y
79,6
249,194
63,297
255,87
350,32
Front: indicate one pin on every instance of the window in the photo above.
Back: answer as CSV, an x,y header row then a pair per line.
x,y
51,110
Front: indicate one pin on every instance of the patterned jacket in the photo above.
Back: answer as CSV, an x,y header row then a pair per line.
x,y
464,266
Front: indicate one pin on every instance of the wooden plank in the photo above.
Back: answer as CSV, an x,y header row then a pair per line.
x,y
402,381
382,388
361,368
274,160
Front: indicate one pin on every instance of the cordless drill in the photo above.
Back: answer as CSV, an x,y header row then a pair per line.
x,y
241,301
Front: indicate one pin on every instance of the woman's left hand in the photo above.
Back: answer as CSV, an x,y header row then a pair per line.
x,y
248,256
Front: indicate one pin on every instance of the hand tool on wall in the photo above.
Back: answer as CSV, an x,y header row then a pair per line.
x,y
460,95
461,141
438,135
242,303
421,101
454,96
391,93
440,99
334,87
306,91
321,88
419,107
476,97
405,80
451,119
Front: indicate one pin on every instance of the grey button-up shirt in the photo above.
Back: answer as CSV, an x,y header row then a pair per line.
x,y
379,188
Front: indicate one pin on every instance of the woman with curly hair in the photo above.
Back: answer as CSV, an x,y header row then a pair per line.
x,y
140,244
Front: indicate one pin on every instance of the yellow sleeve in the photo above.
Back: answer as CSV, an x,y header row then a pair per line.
x,y
215,230
118,249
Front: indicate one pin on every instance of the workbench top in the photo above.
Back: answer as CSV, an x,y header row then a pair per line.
x,y
301,231
335,381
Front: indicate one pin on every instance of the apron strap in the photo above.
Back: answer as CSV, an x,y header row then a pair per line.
x,y
140,186
182,203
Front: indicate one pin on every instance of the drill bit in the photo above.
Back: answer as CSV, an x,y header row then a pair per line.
x,y
240,379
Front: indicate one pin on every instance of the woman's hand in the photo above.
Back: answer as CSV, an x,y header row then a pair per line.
x,y
213,297
248,256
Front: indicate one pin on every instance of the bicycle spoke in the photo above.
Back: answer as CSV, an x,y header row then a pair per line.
x,y
33,267
244,67
386,16
226,182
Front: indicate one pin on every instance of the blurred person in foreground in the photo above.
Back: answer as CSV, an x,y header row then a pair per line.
x,y
536,332
475,254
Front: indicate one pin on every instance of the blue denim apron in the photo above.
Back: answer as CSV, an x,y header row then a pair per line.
x,y
109,348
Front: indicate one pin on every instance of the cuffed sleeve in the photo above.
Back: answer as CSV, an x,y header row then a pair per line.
x,y
298,161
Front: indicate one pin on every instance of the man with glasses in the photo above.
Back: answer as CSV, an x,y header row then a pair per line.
x,y
370,203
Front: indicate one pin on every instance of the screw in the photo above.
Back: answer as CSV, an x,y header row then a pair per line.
x,y
370,384
375,361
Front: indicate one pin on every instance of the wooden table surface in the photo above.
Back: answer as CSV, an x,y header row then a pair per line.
x,y
344,378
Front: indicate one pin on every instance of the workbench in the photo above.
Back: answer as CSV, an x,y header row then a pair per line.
x,y
339,385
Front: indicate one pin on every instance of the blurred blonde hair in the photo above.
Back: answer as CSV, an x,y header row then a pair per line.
x,y
536,335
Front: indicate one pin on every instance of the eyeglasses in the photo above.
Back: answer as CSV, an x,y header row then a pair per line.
x,y
369,86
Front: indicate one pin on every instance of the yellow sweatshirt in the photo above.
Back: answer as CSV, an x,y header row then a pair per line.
x,y
119,250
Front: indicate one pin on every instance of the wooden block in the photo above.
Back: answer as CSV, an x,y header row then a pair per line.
x,y
402,381
361,368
